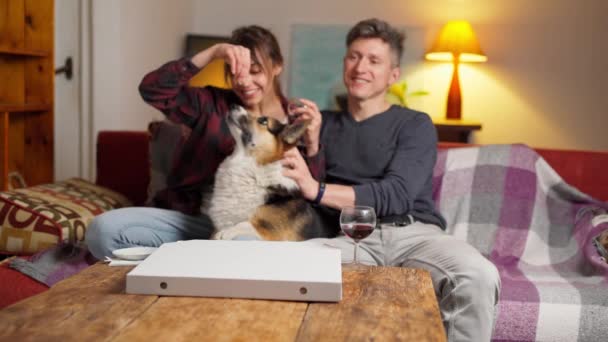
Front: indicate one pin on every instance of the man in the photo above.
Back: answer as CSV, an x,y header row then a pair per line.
x,y
381,155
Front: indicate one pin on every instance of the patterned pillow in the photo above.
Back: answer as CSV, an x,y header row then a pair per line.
x,y
166,141
35,218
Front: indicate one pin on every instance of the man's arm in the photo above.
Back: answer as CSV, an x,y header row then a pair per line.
x,y
405,177
338,196
335,196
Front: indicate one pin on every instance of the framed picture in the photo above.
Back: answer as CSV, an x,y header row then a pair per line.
x,y
213,73
317,51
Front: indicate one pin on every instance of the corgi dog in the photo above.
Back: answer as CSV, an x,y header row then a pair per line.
x,y
251,196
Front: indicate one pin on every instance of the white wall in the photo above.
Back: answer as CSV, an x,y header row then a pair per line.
x,y
543,84
129,39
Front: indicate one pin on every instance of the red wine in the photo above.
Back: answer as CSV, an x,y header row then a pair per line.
x,y
357,231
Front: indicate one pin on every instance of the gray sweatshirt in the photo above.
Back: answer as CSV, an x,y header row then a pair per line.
x,y
387,158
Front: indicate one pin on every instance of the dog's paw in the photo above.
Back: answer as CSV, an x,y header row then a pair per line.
x,y
242,231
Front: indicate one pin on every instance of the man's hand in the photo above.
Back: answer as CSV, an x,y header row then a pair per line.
x,y
311,112
295,168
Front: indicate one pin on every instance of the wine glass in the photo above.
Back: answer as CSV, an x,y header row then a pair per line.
x,y
357,222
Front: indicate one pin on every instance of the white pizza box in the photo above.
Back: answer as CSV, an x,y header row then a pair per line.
x,y
301,271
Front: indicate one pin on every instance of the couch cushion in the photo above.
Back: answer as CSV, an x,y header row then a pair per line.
x,y
35,218
123,163
166,142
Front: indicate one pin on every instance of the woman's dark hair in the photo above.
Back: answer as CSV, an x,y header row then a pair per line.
x,y
259,41
376,28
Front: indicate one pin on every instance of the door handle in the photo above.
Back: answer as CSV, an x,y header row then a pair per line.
x,y
67,68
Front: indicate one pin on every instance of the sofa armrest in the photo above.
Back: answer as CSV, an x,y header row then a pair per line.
x,y
123,163
584,170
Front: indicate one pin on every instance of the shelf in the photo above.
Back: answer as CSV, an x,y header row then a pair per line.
x,y
22,52
21,108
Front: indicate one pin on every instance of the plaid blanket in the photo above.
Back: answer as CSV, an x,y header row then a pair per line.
x,y
515,209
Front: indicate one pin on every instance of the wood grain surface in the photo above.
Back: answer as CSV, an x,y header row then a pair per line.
x,y
91,306
217,319
39,88
27,79
379,304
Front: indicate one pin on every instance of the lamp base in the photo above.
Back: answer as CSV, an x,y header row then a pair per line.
x,y
454,105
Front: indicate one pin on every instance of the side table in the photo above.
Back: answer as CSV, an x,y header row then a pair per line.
x,y
450,130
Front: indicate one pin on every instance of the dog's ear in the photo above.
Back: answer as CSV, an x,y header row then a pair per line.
x,y
291,133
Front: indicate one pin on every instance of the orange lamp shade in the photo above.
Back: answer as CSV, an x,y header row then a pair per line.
x,y
456,43
456,39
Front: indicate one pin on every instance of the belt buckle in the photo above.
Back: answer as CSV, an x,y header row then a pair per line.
x,y
400,223
403,223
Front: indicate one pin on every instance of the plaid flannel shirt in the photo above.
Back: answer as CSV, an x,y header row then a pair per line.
x,y
203,110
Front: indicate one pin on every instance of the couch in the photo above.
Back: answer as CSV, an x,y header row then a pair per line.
x,y
568,298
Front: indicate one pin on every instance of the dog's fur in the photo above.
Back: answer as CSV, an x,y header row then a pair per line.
x,y
603,240
251,196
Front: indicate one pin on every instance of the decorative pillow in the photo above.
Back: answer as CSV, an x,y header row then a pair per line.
x,y
166,141
35,218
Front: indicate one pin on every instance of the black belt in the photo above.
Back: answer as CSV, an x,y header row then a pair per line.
x,y
398,220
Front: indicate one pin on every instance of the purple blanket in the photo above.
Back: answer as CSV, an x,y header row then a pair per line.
x,y
54,264
515,209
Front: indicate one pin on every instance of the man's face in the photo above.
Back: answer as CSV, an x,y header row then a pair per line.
x,y
369,68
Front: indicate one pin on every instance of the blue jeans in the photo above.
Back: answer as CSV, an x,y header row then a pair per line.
x,y
139,226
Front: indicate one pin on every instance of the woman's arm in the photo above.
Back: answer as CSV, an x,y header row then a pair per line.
x,y
236,56
167,90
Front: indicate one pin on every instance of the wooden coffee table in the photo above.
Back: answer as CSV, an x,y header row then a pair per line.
x,y
379,303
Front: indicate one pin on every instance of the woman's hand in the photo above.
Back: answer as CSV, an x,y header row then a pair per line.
x,y
236,56
310,112
295,168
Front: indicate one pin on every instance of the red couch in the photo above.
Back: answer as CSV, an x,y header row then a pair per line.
x,y
123,166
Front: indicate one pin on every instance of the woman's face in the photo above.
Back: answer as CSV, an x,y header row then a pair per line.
x,y
258,85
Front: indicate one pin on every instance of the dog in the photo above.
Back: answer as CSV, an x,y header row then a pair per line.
x,y
251,197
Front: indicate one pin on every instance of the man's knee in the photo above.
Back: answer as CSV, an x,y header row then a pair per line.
x,y
483,278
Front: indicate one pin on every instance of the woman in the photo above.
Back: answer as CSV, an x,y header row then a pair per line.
x,y
253,64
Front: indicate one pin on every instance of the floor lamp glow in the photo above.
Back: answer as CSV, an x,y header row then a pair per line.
x,y
456,43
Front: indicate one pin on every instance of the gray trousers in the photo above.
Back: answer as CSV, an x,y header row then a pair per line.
x,y
466,284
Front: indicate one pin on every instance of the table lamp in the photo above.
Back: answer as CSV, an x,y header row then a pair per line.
x,y
456,43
